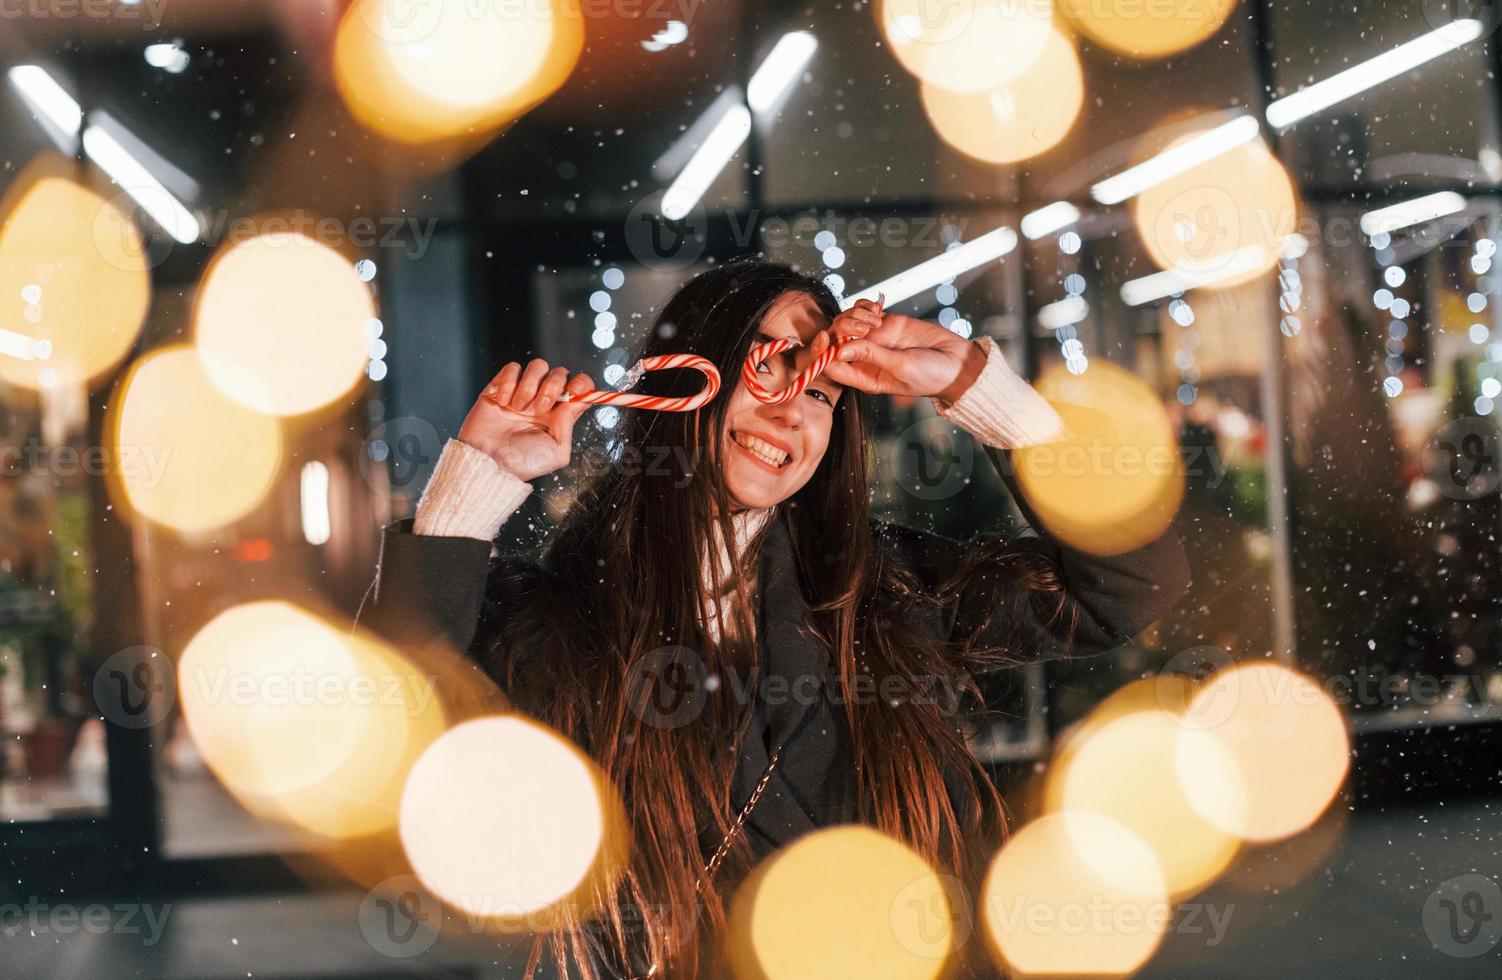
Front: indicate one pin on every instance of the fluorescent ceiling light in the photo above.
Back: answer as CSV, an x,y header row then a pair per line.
x,y
135,180
1413,212
941,268
22,347
1290,109
1071,309
1049,218
780,71
47,98
677,155
1172,162
316,526
1171,282
708,160
769,85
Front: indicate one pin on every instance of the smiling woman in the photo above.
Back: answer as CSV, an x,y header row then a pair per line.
x,y
751,549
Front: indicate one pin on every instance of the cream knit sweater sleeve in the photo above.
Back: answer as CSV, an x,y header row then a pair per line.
x,y
1002,410
468,496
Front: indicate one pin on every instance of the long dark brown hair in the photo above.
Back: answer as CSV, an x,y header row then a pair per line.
x,y
620,580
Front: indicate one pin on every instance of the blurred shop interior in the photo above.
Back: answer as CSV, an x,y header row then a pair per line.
x,y
1274,224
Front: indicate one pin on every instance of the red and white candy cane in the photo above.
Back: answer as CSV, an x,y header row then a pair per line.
x,y
761,352
660,403
771,348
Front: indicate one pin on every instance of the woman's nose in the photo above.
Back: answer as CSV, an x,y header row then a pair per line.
x,y
789,413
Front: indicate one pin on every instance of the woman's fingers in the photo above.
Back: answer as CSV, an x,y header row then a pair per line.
x,y
863,351
504,383
526,388
548,390
578,385
865,365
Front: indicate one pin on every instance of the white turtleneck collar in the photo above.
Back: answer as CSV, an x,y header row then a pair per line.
x,y
744,524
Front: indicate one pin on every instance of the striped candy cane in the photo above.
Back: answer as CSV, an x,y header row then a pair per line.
x,y
659,403
771,348
761,352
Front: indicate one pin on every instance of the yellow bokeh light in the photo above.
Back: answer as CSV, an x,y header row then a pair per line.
x,y
75,282
1286,738
1129,770
1165,692
966,47
509,822
1018,119
303,722
186,456
1208,220
1116,482
1074,894
1146,30
280,323
449,69
846,901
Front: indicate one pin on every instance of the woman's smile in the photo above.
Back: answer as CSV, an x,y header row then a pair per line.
x,y
772,454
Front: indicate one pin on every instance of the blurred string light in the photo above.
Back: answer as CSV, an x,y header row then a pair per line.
x,y
1116,481
606,320
209,466
1074,894
1480,333
293,348
305,723
1284,112
832,257
966,47
1182,314
1395,306
168,56
1062,316
1288,748
509,822
1290,284
947,293
1124,26
769,87
951,263
75,285
447,70
676,32
1016,119
844,901
1205,218
376,349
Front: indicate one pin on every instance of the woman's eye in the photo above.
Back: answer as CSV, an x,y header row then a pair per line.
x,y
823,395
761,365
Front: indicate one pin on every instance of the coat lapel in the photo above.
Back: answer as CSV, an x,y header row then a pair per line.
x,y
809,788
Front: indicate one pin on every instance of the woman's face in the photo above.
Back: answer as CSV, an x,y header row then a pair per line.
x,y
771,451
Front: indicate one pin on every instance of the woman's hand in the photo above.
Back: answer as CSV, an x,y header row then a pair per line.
x,y
533,434
902,355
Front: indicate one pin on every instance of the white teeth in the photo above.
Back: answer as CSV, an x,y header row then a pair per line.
x,y
762,450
